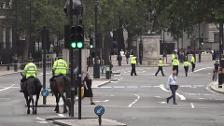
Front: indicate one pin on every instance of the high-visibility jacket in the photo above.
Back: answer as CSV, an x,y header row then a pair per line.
x,y
186,64
160,63
173,56
192,59
133,59
30,70
175,62
60,67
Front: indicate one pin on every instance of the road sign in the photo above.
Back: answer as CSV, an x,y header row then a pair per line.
x,y
99,110
45,93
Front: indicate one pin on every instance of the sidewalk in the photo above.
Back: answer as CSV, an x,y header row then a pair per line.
x,y
214,86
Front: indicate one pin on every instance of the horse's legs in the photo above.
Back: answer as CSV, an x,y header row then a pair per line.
x,y
36,103
65,103
57,96
28,105
33,106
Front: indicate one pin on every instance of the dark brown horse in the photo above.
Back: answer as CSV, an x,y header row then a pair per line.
x,y
30,87
59,88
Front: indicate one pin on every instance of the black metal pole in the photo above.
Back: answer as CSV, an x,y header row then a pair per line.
x,y
44,73
221,60
80,85
71,55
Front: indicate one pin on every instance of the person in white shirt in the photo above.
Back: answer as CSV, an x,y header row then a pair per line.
x,y
173,87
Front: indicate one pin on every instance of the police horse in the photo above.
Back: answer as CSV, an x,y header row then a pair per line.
x,y
60,89
31,87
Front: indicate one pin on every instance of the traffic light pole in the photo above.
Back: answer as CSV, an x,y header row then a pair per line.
x,y
80,85
71,55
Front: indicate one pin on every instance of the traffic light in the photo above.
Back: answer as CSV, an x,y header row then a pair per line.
x,y
91,43
77,37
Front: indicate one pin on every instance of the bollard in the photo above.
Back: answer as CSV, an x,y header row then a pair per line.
x,y
8,67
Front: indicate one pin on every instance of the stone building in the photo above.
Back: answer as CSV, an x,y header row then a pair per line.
x,y
7,22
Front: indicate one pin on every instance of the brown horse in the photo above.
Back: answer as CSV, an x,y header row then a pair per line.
x,y
30,87
59,88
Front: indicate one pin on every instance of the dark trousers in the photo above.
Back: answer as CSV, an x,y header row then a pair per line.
x,y
193,66
175,67
160,68
133,69
173,89
186,70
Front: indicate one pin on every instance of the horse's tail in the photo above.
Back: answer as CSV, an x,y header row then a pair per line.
x,y
33,86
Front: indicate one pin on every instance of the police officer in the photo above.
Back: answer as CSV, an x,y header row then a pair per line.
x,y
30,70
160,67
175,64
186,66
133,63
173,56
193,62
60,67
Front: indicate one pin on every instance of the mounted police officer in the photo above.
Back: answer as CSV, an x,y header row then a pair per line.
x,y
60,68
30,70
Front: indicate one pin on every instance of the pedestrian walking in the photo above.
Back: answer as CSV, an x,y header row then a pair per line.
x,y
193,62
215,71
172,85
127,55
186,66
119,59
160,67
88,88
133,63
175,64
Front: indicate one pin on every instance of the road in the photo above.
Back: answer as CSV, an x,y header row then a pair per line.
x,y
134,100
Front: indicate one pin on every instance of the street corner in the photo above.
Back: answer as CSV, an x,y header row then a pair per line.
x,y
214,87
87,122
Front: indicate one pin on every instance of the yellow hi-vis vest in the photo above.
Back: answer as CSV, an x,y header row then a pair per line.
x,y
133,60
186,64
30,70
160,63
192,59
60,67
173,56
175,62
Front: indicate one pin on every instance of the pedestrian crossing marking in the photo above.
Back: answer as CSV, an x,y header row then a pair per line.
x,y
148,86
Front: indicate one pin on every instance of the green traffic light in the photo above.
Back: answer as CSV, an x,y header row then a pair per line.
x,y
79,45
73,45
91,46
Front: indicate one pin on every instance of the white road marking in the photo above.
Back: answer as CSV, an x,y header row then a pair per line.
x,y
192,105
102,101
201,69
61,115
157,96
182,98
162,102
179,95
136,100
41,120
7,88
201,98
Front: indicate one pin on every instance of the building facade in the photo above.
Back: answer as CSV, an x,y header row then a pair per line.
x,y
7,31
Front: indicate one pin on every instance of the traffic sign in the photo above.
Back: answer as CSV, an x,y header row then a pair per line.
x,y
99,110
45,92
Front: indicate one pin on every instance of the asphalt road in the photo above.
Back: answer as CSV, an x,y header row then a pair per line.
x,y
134,100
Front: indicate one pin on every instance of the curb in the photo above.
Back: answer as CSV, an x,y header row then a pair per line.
x,y
215,90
